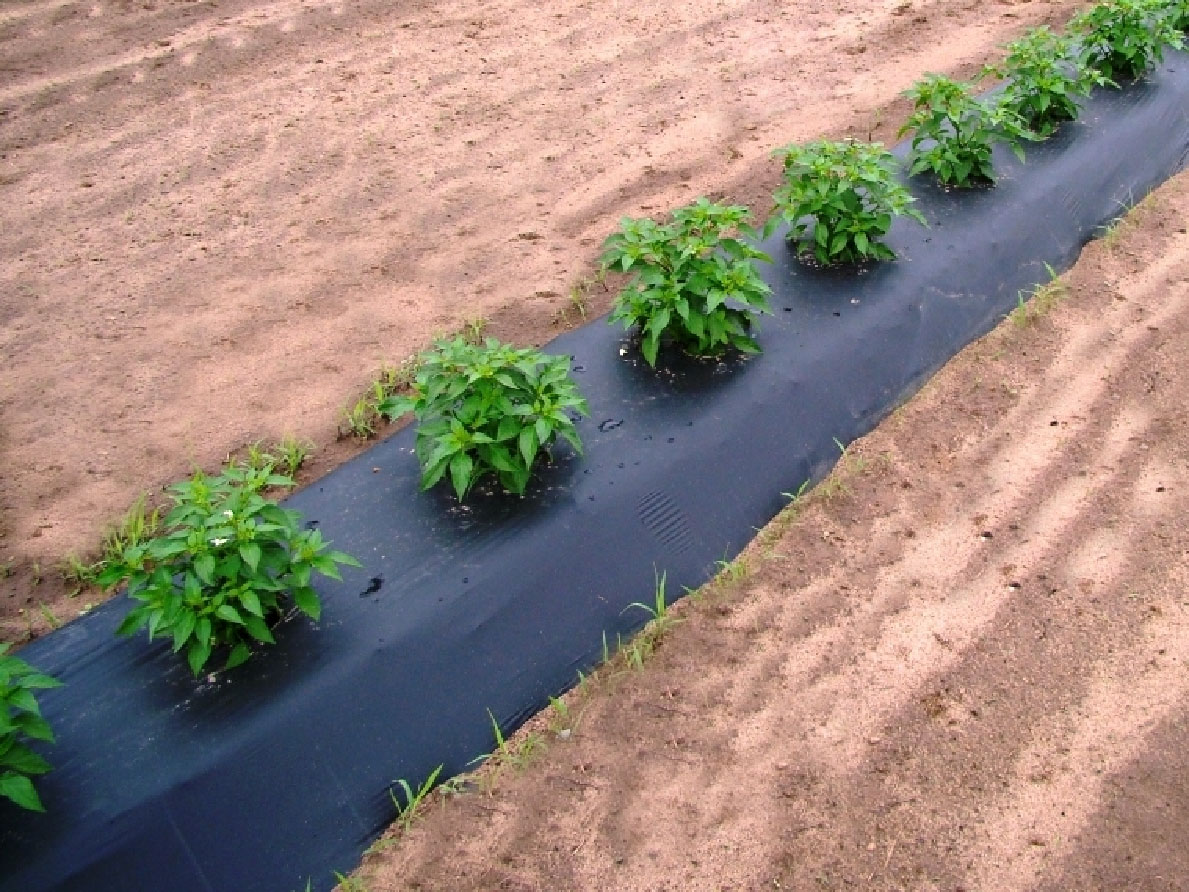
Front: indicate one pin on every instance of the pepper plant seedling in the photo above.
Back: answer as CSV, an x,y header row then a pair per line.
x,y
1045,80
488,408
1124,39
223,567
694,279
839,199
20,721
953,133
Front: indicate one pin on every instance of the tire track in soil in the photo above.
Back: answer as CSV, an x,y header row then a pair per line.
x,y
964,670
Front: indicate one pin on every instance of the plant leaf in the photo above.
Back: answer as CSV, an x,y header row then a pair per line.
x,y
24,761
196,655
20,790
250,552
251,603
258,629
307,602
239,654
460,473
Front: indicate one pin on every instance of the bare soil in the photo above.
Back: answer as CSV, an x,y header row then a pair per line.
x,y
961,664
219,218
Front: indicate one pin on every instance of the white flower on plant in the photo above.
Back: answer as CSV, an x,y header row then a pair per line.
x,y
219,542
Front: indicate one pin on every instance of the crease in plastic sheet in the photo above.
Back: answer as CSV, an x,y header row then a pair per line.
x,y
279,772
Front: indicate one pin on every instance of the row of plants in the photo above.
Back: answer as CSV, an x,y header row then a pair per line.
x,y
694,280
227,564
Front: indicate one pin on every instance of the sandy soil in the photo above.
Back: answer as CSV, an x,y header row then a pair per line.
x,y
219,218
960,665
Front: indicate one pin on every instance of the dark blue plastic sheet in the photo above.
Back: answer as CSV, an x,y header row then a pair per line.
x,y
279,771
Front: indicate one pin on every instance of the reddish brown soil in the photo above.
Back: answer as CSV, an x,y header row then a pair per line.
x,y
961,665
219,218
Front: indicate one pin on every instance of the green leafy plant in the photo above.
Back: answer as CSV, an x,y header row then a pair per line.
x,y
518,754
658,610
1042,299
359,420
20,720
407,813
292,454
694,279
473,330
560,718
78,572
49,616
349,883
953,133
362,419
288,454
136,527
1124,39
660,622
488,409
257,456
1045,80
839,199
223,567
1177,13
394,378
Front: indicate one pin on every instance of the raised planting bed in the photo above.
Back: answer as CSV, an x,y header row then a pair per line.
x,y
280,771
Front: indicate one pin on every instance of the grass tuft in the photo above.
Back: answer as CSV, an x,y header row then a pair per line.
x,y
1041,301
